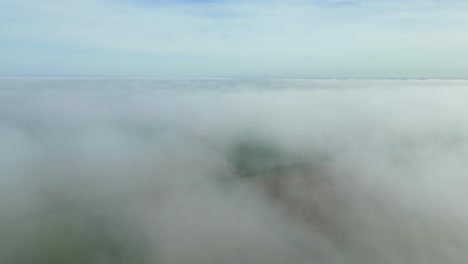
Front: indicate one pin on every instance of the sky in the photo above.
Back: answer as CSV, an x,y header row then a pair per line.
x,y
227,38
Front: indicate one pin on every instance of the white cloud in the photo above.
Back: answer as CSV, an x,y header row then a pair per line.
x,y
112,171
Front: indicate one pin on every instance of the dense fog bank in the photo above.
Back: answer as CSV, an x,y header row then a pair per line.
x,y
228,171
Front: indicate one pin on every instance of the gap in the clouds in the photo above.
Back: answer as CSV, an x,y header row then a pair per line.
x,y
211,9
158,2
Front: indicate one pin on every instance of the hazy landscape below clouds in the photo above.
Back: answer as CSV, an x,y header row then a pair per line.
x,y
97,171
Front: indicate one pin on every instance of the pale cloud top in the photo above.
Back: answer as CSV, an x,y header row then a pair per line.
x,y
303,38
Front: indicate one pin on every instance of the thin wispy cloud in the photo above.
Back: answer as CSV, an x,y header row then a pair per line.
x,y
235,38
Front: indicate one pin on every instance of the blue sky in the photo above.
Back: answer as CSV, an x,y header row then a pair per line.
x,y
227,38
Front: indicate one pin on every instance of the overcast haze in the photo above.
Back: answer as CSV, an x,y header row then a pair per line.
x,y
255,132
201,38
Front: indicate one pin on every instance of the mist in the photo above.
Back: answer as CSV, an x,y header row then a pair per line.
x,y
233,171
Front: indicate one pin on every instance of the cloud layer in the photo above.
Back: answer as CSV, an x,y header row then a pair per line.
x,y
370,39
223,171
